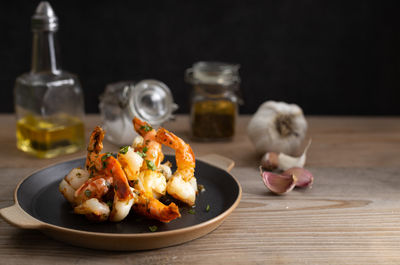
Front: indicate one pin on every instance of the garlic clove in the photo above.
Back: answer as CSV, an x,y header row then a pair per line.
x,y
285,161
278,184
270,161
304,177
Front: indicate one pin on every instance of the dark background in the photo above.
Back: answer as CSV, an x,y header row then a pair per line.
x,y
330,57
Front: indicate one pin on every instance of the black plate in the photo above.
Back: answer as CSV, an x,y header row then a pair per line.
x,y
39,196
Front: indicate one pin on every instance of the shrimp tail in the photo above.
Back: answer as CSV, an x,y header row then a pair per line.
x,y
94,147
184,155
141,127
154,209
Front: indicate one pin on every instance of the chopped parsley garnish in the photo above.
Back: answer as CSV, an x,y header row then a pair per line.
x,y
145,149
141,154
150,165
109,203
207,208
124,149
153,228
115,187
192,211
146,128
88,193
105,156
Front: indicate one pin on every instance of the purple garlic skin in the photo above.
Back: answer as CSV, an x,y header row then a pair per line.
x,y
278,184
304,177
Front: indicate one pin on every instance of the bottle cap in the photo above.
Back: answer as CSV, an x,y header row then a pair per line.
x,y
44,18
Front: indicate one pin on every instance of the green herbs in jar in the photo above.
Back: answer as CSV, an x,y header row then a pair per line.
x,y
213,119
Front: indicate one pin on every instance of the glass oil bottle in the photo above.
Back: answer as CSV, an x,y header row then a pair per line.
x,y
48,101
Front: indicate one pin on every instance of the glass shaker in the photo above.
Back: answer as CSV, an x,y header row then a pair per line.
x,y
149,100
48,101
214,101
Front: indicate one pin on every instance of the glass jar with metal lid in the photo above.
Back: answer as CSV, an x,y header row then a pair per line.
x,y
149,100
214,101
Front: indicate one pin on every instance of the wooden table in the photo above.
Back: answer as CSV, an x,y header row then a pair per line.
x,y
350,216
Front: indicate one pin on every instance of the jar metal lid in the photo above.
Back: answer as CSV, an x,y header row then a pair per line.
x,y
152,101
219,73
149,100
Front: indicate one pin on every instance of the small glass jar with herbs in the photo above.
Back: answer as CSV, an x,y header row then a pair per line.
x,y
214,100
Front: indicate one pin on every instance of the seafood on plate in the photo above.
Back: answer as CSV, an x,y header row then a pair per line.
x,y
109,186
182,185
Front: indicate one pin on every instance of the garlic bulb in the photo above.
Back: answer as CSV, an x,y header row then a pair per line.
x,y
277,127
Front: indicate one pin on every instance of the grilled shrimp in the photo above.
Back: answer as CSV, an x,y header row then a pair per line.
x,y
131,163
85,197
123,195
106,175
118,172
165,169
71,182
154,183
150,182
106,178
182,185
83,192
94,148
95,187
94,210
110,177
149,146
154,209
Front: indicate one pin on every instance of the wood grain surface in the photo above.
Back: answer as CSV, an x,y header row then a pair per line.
x,y
350,216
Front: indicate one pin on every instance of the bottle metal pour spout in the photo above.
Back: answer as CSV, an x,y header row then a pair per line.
x,y
44,53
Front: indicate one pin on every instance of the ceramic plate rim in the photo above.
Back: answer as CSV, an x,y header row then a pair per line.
x,y
42,225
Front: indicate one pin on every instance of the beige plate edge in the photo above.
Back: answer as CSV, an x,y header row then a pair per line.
x,y
16,216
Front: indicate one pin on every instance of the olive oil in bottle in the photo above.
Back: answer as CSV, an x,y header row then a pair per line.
x,y
49,138
48,101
